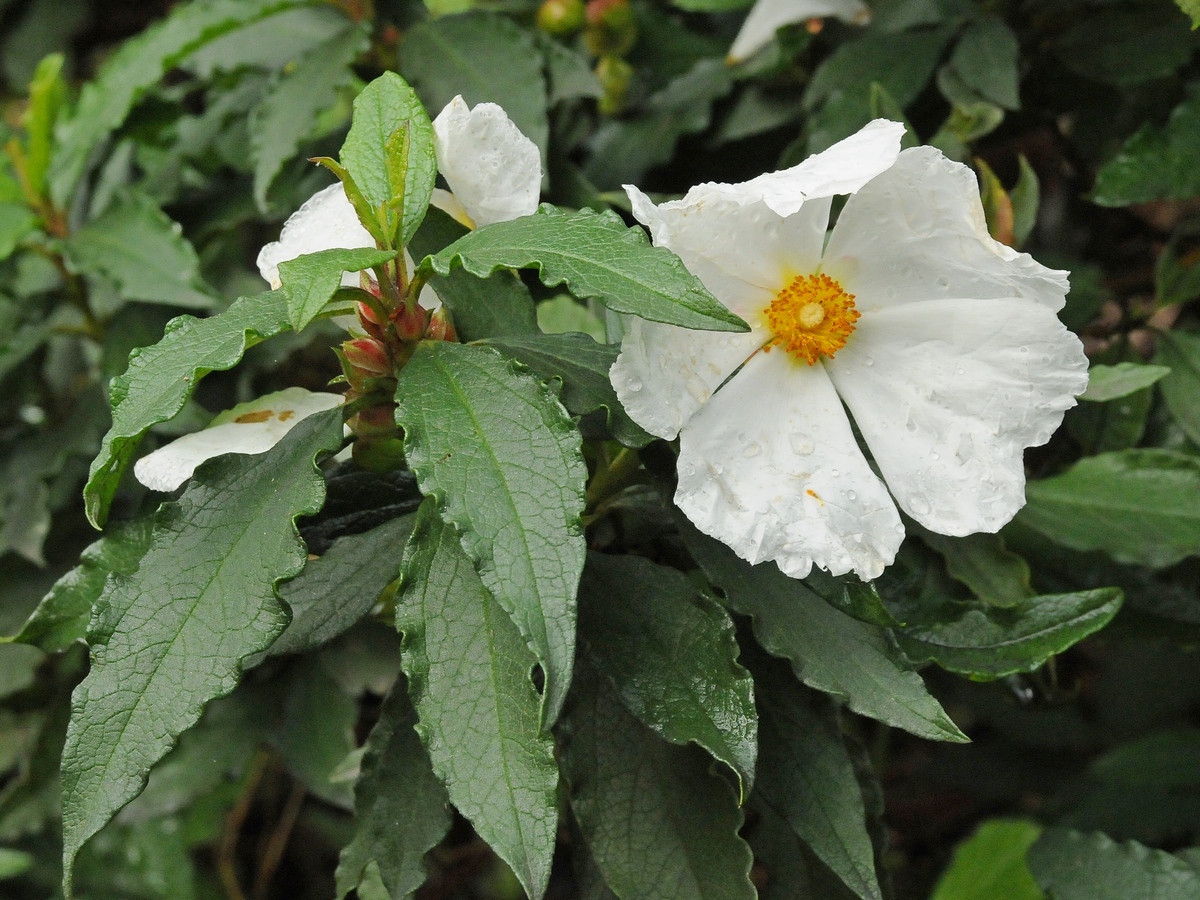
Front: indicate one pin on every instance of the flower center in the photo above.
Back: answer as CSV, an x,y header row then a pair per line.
x,y
811,317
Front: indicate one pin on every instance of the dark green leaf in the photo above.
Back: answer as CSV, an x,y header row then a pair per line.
x,y
316,730
672,655
161,378
581,365
144,252
1026,197
287,115
985,58
1139,506
568,73
171,637
469,676
1124,46
503,458
62,616
310,281
140,64
402,809
496,306
991,864
991,643
1156,163
16,223
994,573
854,661
595,255
269,44
657,821
1071,865
386,106
1113,382
1181,388
1177,272
850,595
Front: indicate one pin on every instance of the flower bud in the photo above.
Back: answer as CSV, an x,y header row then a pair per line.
x,y
375,421
612,27
561,17
368,356
440,326
369,319
615,76
411,324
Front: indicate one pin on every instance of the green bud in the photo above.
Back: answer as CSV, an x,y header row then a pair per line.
x,y
561,17
615,76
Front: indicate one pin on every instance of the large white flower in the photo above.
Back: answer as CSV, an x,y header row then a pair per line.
x,y
942,343
768,16
493,170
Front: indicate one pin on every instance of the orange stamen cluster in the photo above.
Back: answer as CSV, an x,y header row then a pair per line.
x,y
811,317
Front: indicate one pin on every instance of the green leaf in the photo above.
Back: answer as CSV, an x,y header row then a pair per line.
x,y
161,378
1181,388
310,281
137,66
854,661
855,598
172,636
994,573
61,618
990,643
401,808
582,366
807,779
485,57
1177,272
1157,163
288,114
986,58
469,677
991,864
385,107
1112,382
1119,425
595,255
14,863
338,589
497,306
1026,197
1139,506
1126,46
672,655
16,223
568,72
1071,865
316,730
562,313
47,97
136,245
503,458
658,822
1192,8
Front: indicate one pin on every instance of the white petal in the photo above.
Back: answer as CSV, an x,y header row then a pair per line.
x,y
744,253
491,167
917,232
768,16
325,221
253,427
770,467
947,394
664,373
451,206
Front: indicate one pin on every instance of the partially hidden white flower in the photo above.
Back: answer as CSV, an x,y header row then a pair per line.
x,y
253,427
493,170
941,343
768,16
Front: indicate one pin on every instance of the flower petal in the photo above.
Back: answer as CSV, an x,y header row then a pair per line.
x,y
665,373
325,221
768,16
491,167
947,394
253,427
770,467
917,232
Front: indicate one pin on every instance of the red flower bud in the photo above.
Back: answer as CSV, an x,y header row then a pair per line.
x,y
411,325
440,326
368,355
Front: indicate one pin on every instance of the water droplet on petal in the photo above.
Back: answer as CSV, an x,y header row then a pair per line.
x,y
869,361
834,472
852,496
634,385
919,504
801,443
752,450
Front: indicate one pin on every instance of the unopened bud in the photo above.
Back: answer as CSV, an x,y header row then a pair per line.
x,y
368,355
615,76
369,319
411,324
375,421
612,27
561,17
440,326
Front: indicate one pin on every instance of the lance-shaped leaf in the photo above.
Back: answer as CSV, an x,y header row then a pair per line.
x,y
991,643
581,365
162,377
1181,387
310,281
401,807
137,66
503,458
672,655
594,255
1072,865
991,863
806,778
981,561
854,661
1113,382
384,168
658,822
469,677
172,636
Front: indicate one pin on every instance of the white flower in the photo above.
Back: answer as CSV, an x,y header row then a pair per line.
x,y
768,16
253,427
493,170
942,343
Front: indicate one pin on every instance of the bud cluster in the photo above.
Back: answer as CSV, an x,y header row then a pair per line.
x,y
608,31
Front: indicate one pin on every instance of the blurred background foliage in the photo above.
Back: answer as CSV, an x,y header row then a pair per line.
x,y
1082,118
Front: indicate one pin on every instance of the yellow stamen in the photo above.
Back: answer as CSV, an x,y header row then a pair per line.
x,y
811,317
